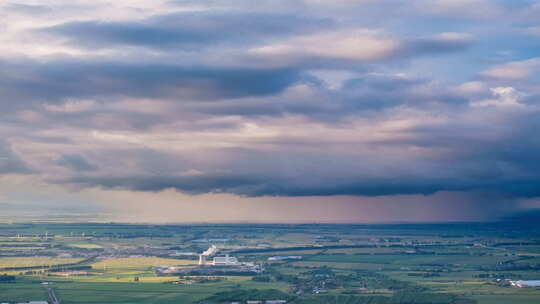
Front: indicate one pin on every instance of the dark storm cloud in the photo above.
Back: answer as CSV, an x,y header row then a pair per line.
x,y
474,158
218,183
189,31
198,184
261,185
57,80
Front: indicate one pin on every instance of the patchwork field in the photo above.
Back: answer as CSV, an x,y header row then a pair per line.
x,y
88,263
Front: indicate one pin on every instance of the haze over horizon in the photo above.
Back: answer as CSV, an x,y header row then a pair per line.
x,y
286,111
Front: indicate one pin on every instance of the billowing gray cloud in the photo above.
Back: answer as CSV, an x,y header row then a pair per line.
x,y
360,95
57,80
190,31
449,156
479,167
258,39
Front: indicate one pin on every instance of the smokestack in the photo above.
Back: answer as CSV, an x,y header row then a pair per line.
x,y
202,259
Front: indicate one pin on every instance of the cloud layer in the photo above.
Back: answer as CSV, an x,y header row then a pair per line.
x,y
283,98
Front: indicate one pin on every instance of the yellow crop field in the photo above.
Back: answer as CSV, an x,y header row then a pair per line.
x,y
139,263
35,261
86,246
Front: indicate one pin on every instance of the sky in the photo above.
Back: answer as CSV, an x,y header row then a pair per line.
x,y
269,111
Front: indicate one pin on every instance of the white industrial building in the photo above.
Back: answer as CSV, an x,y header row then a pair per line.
x,y
225,261
284,257
217,261
521,284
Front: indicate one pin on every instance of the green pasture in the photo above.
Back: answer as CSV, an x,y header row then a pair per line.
x,y
410,259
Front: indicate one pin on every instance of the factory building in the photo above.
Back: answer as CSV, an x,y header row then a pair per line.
x,y
217,261
221,265
225,261
522,284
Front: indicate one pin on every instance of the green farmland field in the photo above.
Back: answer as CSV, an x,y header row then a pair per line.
x,y
107,263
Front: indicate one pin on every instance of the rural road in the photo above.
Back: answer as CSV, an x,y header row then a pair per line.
x,y
52,296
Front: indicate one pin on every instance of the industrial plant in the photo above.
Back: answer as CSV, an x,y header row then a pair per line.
x,y
218,265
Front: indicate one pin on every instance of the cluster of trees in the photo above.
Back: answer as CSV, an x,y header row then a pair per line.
x,y
373,280
4,278
262,278
398,298
511,267
241,295
324,277
404,297
423,274
497,275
